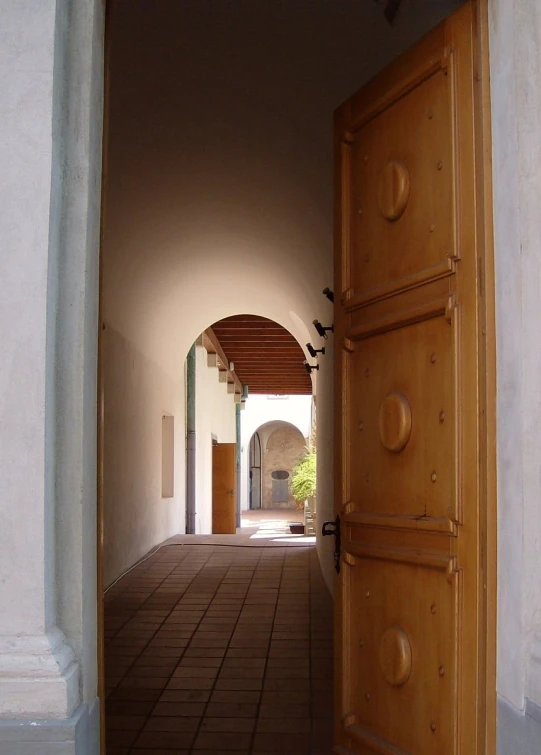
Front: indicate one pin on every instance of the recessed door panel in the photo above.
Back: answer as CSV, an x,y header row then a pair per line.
x,y
403,424
401,652
402,214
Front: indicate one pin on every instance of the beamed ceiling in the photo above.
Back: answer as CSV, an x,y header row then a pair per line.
x,y
267,357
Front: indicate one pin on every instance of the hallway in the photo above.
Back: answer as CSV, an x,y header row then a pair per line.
x,y
220,649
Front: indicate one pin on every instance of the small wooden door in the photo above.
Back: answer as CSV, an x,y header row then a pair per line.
x,y
411,623
224,485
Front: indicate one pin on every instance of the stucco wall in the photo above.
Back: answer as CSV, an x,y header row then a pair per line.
x,y
215,418
136,395
515,28
283,448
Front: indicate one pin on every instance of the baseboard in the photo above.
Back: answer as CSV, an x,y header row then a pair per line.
x,y
519,732
77,735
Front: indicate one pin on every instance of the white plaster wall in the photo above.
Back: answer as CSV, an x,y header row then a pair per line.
x,y
214,416
258,411
79,83
220,158
136,395
515,31
26,154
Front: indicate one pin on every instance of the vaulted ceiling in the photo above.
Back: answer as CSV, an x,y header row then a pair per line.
x,y
266,356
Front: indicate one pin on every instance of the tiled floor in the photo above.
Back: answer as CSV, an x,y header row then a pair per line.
x,y
220,649
264,527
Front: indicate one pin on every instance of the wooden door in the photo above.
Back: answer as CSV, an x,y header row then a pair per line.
x,y
224,485
411,622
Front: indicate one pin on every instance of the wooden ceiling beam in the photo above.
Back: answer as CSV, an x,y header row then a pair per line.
x,y
251,336
272,348
284,374
240,318
265,355
266,392
260,332
274,358
267,384
260,379
283,383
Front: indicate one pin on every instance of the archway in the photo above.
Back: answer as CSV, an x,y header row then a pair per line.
x,y
239,372
282,444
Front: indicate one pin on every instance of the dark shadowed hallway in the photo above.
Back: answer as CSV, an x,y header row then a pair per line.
x,y
217,648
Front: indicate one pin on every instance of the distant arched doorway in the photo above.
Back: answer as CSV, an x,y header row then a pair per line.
x,y
254,482
274,449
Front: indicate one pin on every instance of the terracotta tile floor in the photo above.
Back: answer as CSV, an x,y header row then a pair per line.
x,y
220,649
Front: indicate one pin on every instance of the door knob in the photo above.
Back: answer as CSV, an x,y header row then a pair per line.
x,y
333,528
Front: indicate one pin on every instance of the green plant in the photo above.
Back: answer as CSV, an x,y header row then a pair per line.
x,y
303,477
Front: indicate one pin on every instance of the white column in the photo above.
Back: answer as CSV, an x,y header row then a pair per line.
x,y
515,56
38,673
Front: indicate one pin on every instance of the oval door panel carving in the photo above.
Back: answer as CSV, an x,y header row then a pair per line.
x,y
395,422
395,656
394,190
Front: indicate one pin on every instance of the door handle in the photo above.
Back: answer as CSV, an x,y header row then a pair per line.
x,y
333,528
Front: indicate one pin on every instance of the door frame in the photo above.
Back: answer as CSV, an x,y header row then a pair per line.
x,y
100,582
489,493
487,381
488,497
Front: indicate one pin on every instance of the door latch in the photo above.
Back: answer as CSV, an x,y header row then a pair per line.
x,y
333,528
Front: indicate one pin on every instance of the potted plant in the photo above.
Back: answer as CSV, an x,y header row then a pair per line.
x,y
303,479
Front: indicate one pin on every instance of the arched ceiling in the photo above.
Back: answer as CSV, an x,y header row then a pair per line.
x,y
267,357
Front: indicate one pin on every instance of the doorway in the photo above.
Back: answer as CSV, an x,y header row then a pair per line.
x,y
254,483
213,250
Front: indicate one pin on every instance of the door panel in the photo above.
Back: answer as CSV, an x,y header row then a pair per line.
x,y
224,482
390,175
409,611
394,608
410,471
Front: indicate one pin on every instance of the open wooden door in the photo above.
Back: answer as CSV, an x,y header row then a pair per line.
x,y
411,617
224,485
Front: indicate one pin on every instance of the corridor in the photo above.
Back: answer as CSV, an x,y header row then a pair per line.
x,y
220,649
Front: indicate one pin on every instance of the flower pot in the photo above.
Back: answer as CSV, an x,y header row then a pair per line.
x,y
296,528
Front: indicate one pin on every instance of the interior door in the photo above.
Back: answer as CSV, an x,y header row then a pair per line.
x,y
410,620
224,484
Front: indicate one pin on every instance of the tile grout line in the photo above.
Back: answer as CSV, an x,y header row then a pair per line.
x,y
266,664
145,647
191,750
217,570
184,649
